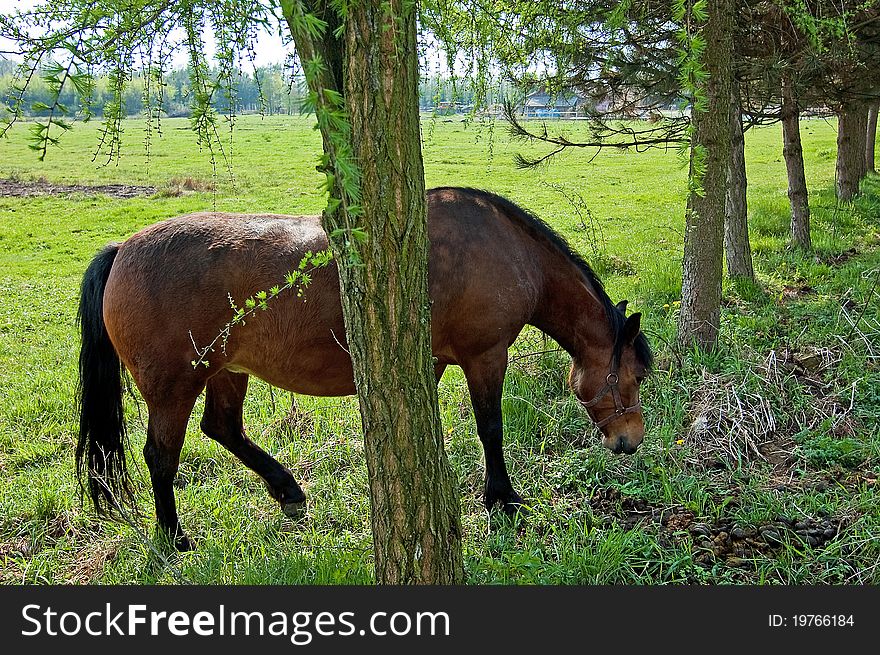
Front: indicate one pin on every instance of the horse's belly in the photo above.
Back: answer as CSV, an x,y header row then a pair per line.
x,y
311,371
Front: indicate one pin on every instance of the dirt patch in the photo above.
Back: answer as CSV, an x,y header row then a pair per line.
x,y
10,570
11,188
90,563
629,510
19,548
86,564
841,258
779,452
796,291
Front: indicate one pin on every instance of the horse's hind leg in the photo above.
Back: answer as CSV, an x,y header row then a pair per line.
x,y
166,430
222,421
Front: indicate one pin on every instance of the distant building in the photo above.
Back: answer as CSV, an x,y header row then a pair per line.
x,y
628,105
547,105
495,110
448,108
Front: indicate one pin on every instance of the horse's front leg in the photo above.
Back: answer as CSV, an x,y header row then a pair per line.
x,y
485,379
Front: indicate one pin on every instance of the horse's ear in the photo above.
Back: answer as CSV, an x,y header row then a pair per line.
x,y
622,307
632,327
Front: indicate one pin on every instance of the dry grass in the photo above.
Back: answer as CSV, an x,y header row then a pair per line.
x,y
181,186
863,335
88,564
730,421
737,419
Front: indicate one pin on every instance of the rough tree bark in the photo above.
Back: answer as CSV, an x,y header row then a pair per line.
x,y
852,129
699,319
736,225
414,500
871,136
415,507
862,139
793,154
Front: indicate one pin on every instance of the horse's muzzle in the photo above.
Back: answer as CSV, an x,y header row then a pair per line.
x,y
621,444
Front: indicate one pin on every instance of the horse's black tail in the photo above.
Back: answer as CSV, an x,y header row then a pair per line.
x,y
100,450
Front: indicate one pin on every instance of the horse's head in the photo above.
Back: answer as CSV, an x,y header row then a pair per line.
x,y
609,387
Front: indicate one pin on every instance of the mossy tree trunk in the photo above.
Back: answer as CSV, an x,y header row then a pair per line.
x,y
793,153
852,129
699,319
415,507
871,137
737,249
384,286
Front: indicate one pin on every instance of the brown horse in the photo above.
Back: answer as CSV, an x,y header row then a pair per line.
x,y
493,269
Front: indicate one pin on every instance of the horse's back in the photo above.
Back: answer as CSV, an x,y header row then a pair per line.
x,y
215,234
196,253
172,285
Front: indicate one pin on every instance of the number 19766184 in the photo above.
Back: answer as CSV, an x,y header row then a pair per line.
x,y
811,621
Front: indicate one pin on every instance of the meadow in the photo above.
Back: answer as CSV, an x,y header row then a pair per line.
x,y
760,462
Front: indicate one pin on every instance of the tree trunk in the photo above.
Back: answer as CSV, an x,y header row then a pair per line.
x,y
736,225
704,220
415,506
852,129
871,136
862,141
793,154
384,286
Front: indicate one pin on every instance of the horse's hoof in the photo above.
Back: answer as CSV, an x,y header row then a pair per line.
x,y
294,509
184,544
514,506
510,502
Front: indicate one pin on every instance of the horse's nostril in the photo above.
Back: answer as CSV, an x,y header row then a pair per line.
x,y
623,446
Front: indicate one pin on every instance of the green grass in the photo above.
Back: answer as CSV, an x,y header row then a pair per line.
x,y
596,517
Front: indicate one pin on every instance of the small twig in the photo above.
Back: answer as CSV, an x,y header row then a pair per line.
x,y
259,301
339,343
534,353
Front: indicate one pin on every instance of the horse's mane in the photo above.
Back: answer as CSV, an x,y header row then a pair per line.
x,y
537,228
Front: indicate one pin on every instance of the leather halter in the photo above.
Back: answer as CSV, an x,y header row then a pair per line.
x,y
611,382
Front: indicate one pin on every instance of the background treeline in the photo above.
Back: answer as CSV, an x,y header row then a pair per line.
x,y
268,90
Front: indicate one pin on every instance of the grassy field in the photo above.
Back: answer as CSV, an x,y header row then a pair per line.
x,y
760,463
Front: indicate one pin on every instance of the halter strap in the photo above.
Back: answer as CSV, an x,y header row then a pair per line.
x,y
611,382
